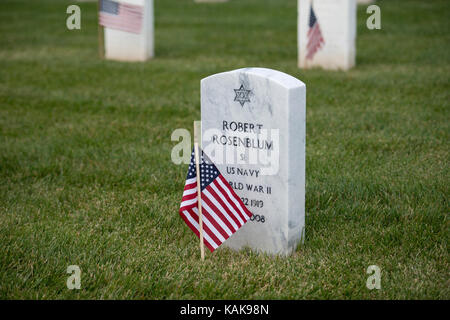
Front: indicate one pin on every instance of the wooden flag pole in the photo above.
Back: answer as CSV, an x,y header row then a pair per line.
x,y
101,40
197,139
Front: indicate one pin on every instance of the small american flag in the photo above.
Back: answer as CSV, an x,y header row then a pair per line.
x,y
121,16
223,212
315,39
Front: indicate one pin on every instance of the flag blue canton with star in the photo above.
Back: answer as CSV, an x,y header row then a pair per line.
x,y
208,171
109,6
312,18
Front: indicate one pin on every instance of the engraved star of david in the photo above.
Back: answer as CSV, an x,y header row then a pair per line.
x,y
242,95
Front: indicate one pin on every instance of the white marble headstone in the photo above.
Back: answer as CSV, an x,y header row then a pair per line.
x,y
128,46
365,1
336,24
253,129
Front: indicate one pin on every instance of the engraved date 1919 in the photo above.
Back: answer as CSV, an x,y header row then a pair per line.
x,y
253,203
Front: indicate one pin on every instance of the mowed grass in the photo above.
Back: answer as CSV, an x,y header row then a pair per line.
x,y
86,177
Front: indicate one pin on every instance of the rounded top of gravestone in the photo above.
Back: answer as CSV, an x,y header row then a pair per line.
x,y
283,79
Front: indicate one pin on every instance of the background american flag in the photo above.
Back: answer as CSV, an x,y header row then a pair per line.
x,y
121,16
315,39
223,212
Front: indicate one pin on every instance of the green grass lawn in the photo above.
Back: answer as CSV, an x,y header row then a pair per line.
x,y
86,177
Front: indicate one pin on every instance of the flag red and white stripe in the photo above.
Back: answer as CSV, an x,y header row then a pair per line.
x,y
121,16
315,38
223,212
